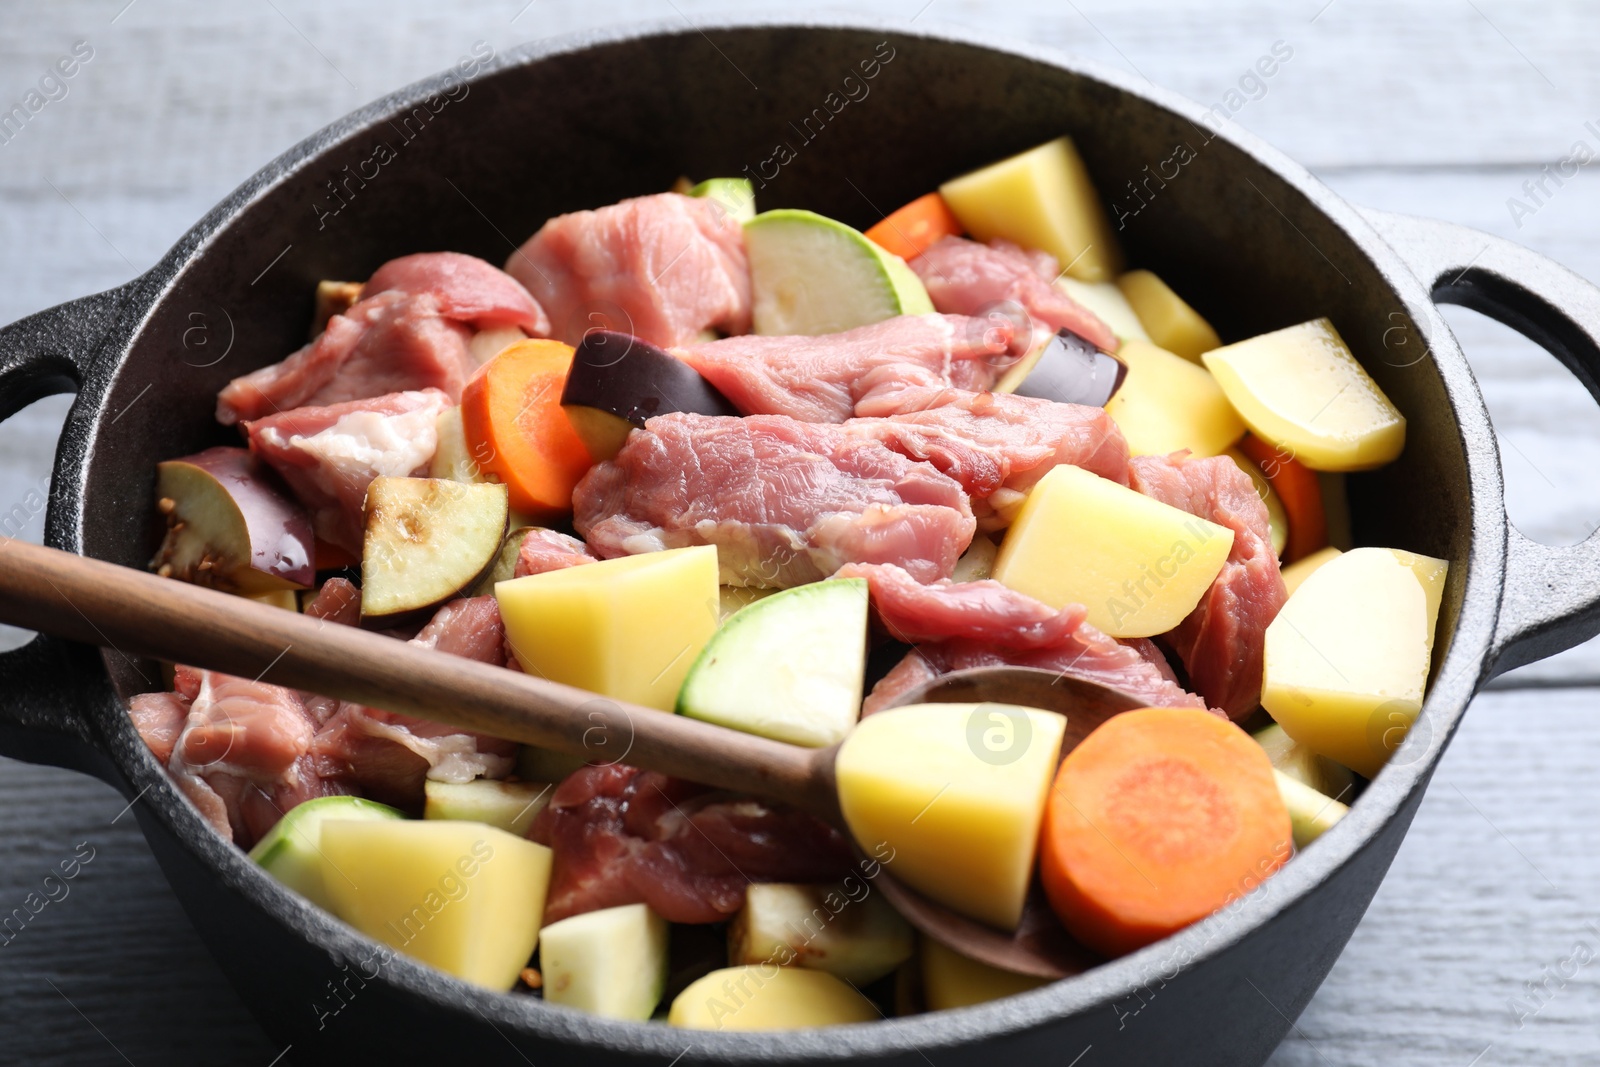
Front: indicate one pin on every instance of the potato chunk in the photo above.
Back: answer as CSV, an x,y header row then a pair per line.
x,y
1138,565
629,628
951,980
1347,658
1042,198
461,896
1301,389
766,997
957,792
1168,403
1169,320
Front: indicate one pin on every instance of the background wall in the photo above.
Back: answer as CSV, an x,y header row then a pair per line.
x,y
1443,108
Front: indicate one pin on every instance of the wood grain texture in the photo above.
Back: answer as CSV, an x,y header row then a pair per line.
x,y
1442,108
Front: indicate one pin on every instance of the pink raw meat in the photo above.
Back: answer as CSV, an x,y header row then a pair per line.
x,y
820,379
981,611
330,455
469,290
1222,641
550,550
989,441
662,267
389,343
785,502
967,278
626,836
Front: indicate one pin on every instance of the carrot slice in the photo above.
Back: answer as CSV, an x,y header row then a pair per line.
x,y
909,231
516,430
1157,819
1301,493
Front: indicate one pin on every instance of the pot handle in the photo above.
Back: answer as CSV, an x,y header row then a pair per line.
x,y
45,684
1551,599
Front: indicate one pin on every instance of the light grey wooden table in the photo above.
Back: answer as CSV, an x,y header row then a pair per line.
x,y
1435,108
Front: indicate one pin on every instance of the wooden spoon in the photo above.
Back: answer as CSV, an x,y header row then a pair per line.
x,y
139,614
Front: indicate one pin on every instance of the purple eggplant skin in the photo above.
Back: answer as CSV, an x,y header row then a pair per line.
x,y
232,525
634,380
1073,371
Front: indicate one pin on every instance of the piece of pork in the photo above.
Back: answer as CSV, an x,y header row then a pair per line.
x,y
550,550
330,455
469,290
662,268
820,379
338,601
785,502
990,441
964,277
1222,641
388,343
626,836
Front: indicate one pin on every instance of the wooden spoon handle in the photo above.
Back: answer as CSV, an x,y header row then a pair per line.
x,y
139,614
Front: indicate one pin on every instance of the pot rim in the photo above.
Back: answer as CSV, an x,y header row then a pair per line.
x,y
1458,676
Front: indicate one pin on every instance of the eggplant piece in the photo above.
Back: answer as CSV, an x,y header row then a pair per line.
x,y
231,525
618,381
1066,369
504,565
427,539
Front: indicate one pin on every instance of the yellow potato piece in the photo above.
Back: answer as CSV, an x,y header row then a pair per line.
x,y
1138,565
1167,403
461,896
1108,304
764,996
951,797
1301,389
951,980
1347,658
1166,317
1295,574
629,628
1042,198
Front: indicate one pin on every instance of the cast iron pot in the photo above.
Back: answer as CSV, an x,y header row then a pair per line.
x,y
1248,236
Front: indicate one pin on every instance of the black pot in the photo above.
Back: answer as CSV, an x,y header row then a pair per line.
x,y
1248,236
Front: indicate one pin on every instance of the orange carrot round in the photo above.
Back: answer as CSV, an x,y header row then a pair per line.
x,y
1301,493
1159,818
908,231
516,430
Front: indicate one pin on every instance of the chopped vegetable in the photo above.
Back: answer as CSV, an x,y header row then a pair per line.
x,y
1297,572
509,806
737,195
1107,302
618,381
908,231
977,562
516,430
451,459
1301,390
955,792
1168,403
1171,322
1138,565
611,962
812,275
504,565
628,628
292,850
427,539
848,929
789,667
1296,485
951,980
1297,761
1042,198
766,997
735,598
231,525
460,896
1311,813
333,298
1158,818
1068,370
1347,658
